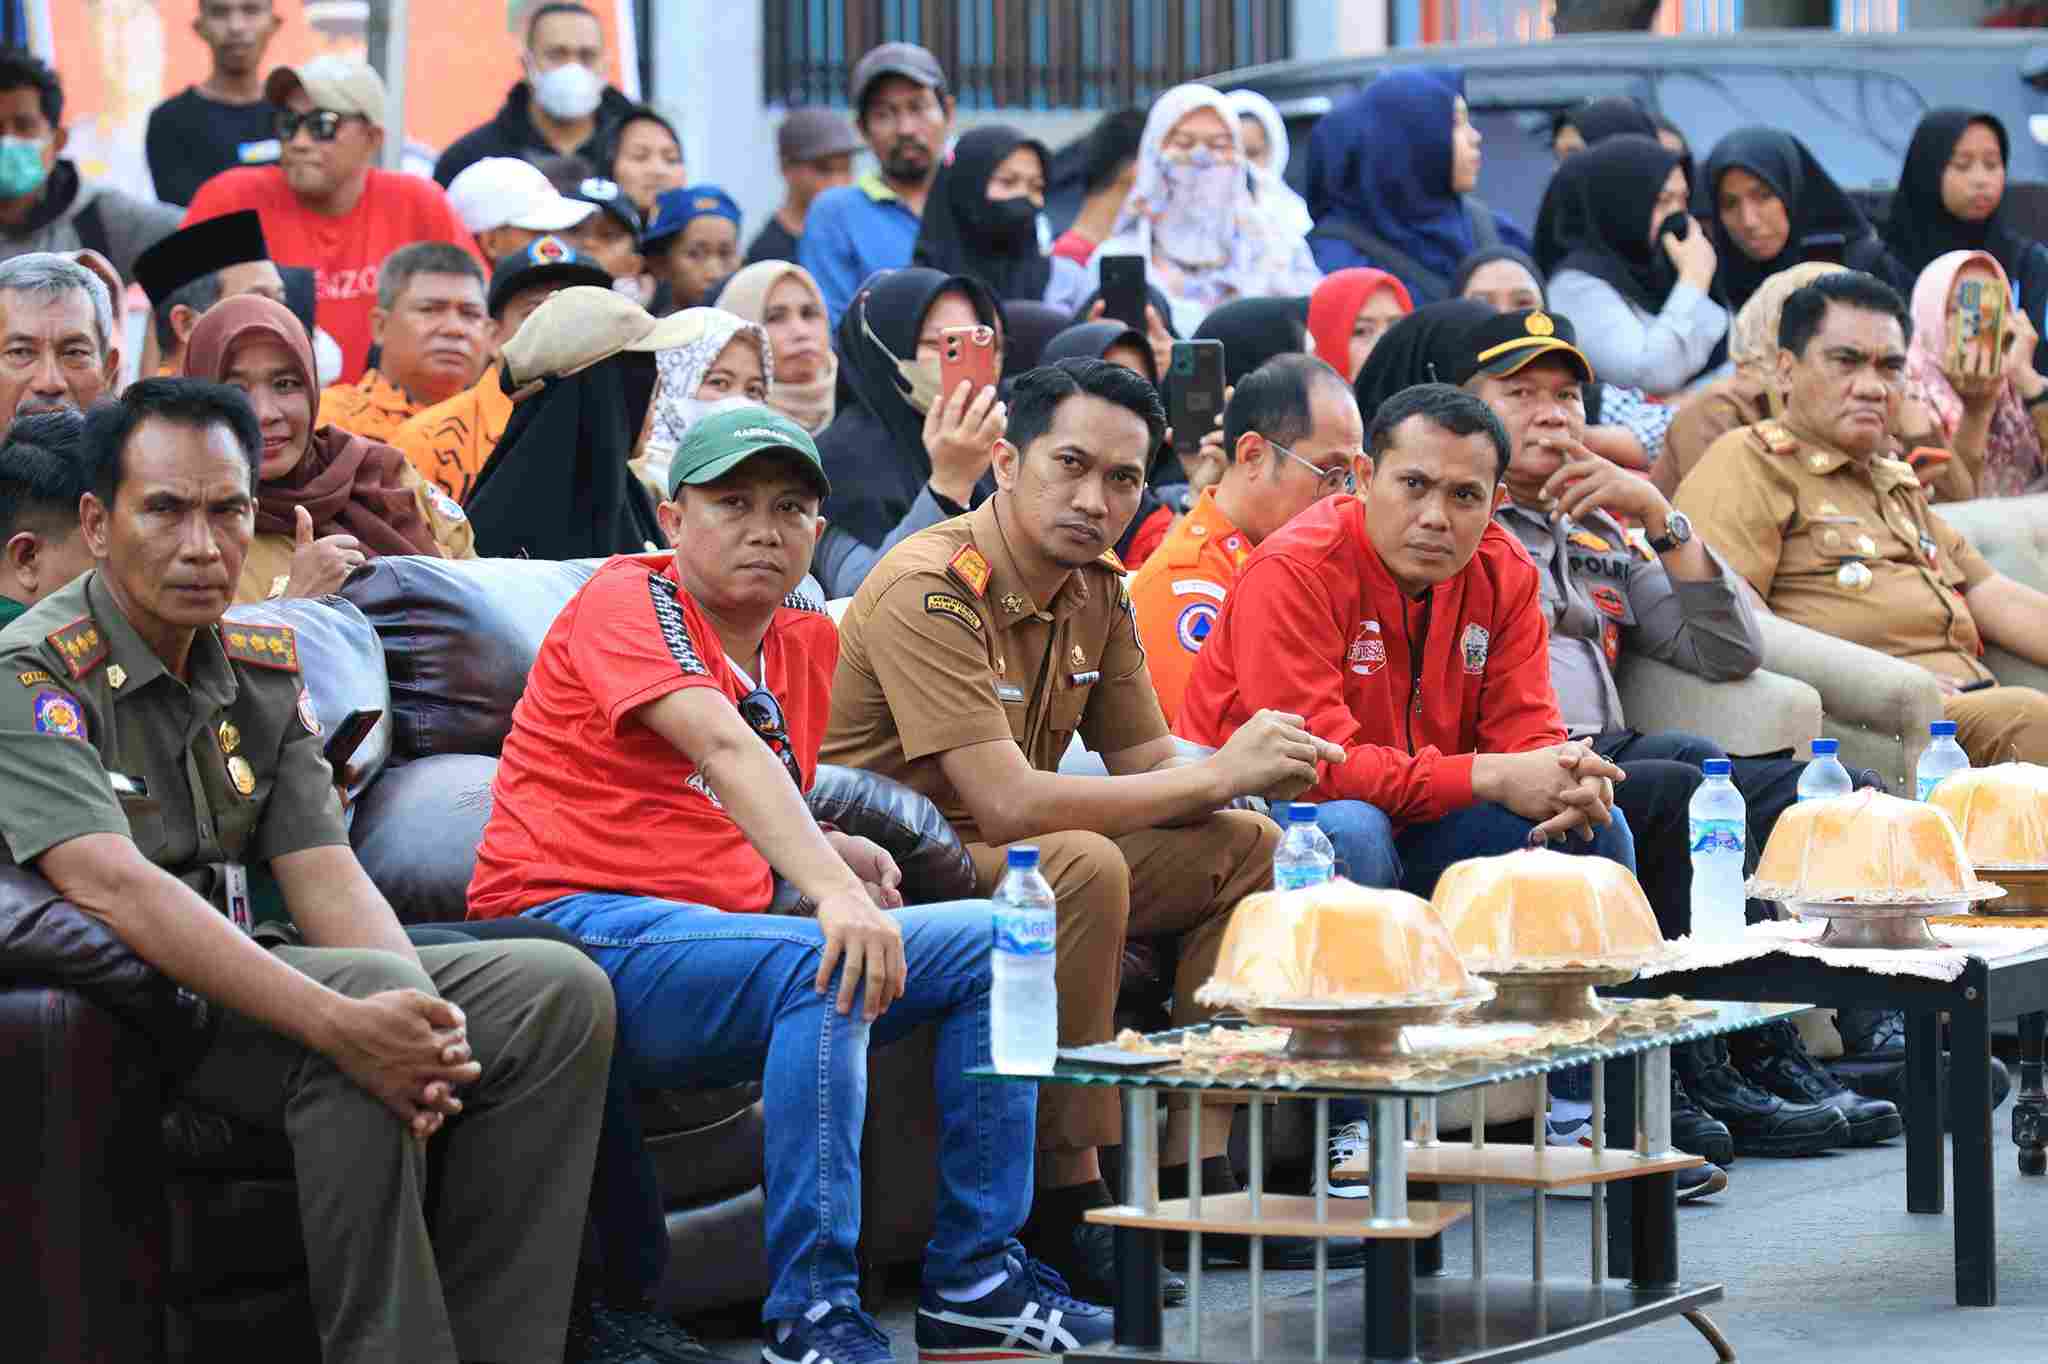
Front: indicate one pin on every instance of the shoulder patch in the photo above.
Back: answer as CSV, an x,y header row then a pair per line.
x,y
1773,436
262,646
33,677
1111,562
797,601
56,713
970,568
450,510
945,604
81,644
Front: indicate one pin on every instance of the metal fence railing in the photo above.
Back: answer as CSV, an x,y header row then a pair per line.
x,y
1029,54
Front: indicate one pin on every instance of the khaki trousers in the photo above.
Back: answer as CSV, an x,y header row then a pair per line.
x,y
1154,882
2000,724
493,1283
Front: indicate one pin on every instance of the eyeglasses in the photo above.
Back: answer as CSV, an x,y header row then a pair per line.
x,y
763,715
322,123
1337,480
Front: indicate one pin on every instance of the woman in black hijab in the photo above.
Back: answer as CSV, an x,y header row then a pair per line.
x,y
1950,195
1425,347
1254,330
1629,266
1596,120
1027,327
981,219
1771,205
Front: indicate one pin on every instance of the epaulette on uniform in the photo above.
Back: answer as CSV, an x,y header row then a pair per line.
x,y
80,644
261,646
1771,435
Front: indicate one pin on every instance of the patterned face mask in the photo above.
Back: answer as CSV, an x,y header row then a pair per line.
x,y
1198,221
920,375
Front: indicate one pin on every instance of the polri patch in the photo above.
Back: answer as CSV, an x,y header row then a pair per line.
x,y
58,714
82,645
946,604
1610,601
971,569
263,646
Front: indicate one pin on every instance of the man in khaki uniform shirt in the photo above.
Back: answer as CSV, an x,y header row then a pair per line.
x,y
973,654
149,755
1831,532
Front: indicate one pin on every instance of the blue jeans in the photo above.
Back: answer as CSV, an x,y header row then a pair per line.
x,y
707,998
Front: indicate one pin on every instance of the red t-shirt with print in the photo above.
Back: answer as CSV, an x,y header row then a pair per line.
x,y
589,799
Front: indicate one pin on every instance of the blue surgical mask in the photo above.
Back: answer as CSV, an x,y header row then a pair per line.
x,y
21,167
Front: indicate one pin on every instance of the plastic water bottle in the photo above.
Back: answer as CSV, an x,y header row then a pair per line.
x,y
1943,758
1024,1020
1305,856
1824,776
1719,823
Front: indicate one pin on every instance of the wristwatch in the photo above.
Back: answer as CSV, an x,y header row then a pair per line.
x,y
1677,531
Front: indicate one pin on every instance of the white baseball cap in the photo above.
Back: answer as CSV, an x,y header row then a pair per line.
x,y
503,191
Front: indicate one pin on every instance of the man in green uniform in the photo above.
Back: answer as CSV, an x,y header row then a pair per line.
x,y
148,756
41,480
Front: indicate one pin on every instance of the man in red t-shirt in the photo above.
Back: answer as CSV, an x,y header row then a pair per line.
x,y
649,793
326,205
1408,627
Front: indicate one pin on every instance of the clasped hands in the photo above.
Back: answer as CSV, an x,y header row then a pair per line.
x,y
1566,788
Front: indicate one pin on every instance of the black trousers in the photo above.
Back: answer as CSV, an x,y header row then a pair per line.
x,y
1663,772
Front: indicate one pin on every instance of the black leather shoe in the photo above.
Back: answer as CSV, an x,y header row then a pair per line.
x,y
1696,1132
1761,1123
1700,1181
1775,1059
1224,1249
1872,1034
1887,1080
1086,1258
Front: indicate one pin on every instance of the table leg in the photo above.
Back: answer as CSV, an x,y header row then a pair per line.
x,y
2030,1107
1389,1301
1924,1108
1621,1136
1653,1199
1140,1315
1970,1121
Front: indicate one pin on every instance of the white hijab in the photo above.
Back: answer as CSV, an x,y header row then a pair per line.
x,y
679,372
1276,198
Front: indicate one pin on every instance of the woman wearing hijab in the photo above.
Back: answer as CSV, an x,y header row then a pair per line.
x,y
782,299
1596,120
1026,330
1505,277
1390,177
1192,218
983,217
326,499
1266,152
1635,291
710,358
1994,423
903,455
1350,311
1425,347
1771,205
1950,195
1253,331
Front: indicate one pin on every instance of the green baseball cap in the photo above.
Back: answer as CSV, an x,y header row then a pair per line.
x,y
723,441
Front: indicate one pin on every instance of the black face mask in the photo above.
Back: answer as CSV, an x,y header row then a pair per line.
x,y
1010,224
1677,225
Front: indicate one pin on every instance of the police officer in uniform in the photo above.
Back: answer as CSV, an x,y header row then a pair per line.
x,y
973,653
150,755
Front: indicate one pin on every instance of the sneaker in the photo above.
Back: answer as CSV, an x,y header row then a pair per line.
x,y
1776,1059
831,1335
1701,1180
594,1338
1030,1315
1759,1121
1349,1143
1568,1131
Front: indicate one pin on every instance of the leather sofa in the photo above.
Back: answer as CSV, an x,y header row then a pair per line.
x,y
157,1231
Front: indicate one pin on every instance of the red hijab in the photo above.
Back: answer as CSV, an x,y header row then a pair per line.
x,y
349,485
1334,306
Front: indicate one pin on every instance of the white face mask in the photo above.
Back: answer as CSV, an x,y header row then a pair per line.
x,y
569,91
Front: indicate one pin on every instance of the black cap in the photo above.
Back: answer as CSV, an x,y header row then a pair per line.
x,y
608,196
548,260
194,252
1500,345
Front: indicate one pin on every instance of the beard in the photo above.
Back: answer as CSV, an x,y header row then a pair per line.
x,y
907,160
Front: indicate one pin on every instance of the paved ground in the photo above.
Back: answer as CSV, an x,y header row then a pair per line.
x,y
1820,1258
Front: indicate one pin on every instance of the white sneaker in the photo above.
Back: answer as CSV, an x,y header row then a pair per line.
x,y
1348,1143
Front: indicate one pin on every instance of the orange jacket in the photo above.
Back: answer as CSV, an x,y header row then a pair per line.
x,y
450,442
372,407
1179,591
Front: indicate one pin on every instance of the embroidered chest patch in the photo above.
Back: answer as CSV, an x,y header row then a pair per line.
x,y
1473,644
1367,654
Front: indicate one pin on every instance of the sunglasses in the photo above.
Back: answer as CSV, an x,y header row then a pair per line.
x,y
764,716
322,123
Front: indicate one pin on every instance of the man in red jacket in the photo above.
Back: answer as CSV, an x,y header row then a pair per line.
x,y
1404,625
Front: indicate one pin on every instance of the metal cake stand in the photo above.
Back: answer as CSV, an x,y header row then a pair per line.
x,y
1345,1032
1891,925
1560,995
2026,891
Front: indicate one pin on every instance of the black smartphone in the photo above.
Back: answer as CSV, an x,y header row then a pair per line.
x,y
1978,686
1123,291
1678,225
1825,246
348,736
1194,391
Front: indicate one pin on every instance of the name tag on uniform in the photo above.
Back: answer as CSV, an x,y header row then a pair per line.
x,y
1006,691
1086,679
235,884
260,152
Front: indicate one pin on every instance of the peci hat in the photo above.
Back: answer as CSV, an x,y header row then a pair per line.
x,y
676,209
1507,342
607,195
504,191
585,324
550,260
723,441
346,87
907,60
205,248
814,134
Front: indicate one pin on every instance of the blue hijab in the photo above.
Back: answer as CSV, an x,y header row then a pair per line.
x,y
1381,159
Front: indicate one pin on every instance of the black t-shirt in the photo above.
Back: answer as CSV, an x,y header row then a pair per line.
x,y
774,243
192,139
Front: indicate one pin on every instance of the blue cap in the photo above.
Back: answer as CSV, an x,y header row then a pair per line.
x,y
1301,812
1717,767
1024,855
1825,748
676,209
1942,729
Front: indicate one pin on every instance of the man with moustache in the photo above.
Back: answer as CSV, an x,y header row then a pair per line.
x,y
57,339
433,330
905,113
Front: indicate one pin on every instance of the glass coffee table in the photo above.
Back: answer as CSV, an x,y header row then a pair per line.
x,y
1408,1309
